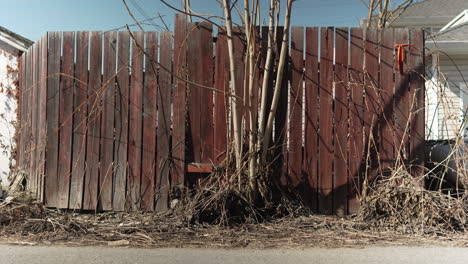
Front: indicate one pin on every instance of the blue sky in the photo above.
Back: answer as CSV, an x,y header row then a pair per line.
x,y
32,18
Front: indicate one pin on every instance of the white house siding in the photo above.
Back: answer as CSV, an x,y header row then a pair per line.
x,y
8,75
451,94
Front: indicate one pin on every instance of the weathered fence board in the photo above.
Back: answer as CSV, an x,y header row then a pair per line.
x,y
94,122
107,125
340,182
148,167
326,122
53,70
417,140
310,161
142,115
372,111
356,118
135,123
295,110
179,106
402,101
121,121
66,113
386,149
79,121
164,123
221,99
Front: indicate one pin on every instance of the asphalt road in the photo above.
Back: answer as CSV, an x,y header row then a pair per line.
x,y
103,255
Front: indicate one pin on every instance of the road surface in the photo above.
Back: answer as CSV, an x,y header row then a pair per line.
x,y
103,255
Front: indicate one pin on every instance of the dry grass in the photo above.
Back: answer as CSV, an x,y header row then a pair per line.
x,y
23,220
400,203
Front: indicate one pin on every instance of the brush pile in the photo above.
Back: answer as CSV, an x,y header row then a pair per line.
x,y
401,203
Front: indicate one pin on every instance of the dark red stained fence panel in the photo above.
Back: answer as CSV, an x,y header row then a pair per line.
x,y
194,72
91,117
372,104
356,118
417,137
326,122
66,118
179,121
295,110
281,123
135,123
164,123
221,99
340,188
239,57
269,94
311,118
107,126
149,122
386,121
121,121
402,102
206,95
90,199
79,121
52,109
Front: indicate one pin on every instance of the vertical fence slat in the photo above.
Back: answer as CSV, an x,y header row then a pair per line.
x,y
164,122
326,119
281,122
149,122
121,121
311,117
402,102
135,122
372,103
386,151
179,121
221,99
269,95
340,184
295,110
206,107
356,119
239,57
42,116
29,93
22,111
194,73
66,112
32,162
79,121
107,126
417,137
94,122
53,79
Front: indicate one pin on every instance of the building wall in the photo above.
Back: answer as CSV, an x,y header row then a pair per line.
x,y
8,105
449,87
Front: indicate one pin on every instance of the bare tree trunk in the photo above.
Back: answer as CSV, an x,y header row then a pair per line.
x,y
266,76
234,98
279,80
369,15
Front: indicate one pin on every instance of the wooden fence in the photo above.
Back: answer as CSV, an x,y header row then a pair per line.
x,y
106,126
